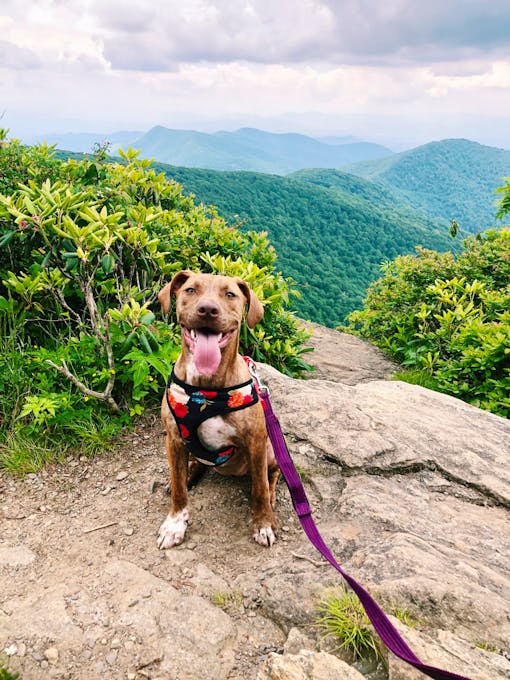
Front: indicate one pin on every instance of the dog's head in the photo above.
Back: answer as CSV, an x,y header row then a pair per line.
x,y
210,311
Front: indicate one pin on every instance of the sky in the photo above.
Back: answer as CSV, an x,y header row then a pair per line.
x,y
396,72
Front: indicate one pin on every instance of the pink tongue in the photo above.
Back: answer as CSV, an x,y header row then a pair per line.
x,y
207,353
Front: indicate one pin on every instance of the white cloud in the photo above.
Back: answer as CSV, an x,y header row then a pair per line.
x,y
17,58
133,63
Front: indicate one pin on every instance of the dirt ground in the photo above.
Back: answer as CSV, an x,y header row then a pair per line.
x,y
73,518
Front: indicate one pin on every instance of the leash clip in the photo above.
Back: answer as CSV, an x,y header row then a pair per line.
x,y
252,367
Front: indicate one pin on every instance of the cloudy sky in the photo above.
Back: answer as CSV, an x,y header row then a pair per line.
x,y
399,72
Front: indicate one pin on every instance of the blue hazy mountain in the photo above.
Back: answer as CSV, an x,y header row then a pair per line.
x,y
251,149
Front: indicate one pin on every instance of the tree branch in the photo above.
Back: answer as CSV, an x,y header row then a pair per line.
x,y
59,295
106,395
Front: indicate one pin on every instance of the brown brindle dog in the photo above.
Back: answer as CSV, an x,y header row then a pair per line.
x,y
210,312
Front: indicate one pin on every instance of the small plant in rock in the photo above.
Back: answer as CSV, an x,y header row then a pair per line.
x,y
487,647
304,474
405,616
230,601
5,674
340,615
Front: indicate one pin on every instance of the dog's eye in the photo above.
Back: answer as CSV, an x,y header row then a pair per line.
x,y
230,294
189,290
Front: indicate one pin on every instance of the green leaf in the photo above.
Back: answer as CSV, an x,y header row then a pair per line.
x,y
107,263
6,238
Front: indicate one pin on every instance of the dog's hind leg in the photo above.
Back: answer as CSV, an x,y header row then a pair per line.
x,y
196,470
273,473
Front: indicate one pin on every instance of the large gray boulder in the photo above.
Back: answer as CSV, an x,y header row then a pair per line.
x,y
414,500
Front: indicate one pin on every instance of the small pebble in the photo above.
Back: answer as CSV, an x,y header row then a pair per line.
x,y
122,475
111,657
128,531
51,655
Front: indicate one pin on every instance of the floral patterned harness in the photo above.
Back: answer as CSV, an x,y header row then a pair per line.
x,y
191,406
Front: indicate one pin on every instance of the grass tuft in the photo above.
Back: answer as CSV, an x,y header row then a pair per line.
x,y
21,454
230,601
340,615
405,616
422,377
5,674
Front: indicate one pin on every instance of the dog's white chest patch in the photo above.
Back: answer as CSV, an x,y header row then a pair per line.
x,y
216,433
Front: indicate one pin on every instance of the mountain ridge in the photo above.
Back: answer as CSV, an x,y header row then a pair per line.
x,y
244,149
453,179
251,149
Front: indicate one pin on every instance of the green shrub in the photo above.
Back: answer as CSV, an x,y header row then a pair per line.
x,y
449,317
85,246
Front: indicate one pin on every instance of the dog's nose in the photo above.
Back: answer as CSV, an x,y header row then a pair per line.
x,y
208,308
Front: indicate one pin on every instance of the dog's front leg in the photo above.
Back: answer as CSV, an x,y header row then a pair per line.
x,y
264,521
172,531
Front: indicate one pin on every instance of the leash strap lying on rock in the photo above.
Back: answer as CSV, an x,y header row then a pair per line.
x,y
383,626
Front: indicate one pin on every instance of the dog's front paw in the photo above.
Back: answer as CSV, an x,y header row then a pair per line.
x,y
264,536
172,531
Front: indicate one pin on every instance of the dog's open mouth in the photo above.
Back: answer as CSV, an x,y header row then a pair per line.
x,y
206,345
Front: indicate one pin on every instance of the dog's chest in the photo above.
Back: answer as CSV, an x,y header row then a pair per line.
x,y
206,418
216,433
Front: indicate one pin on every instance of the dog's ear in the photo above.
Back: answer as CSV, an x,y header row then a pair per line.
x,y
255,309
171,288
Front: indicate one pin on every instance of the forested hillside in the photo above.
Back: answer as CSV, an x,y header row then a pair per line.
x,y
451,179
250,149
332,241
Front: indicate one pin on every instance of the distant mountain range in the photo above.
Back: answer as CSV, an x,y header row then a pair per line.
x,y
332,229
450,179
245,149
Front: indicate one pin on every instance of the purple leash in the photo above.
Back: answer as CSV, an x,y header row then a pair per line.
x,y
383,626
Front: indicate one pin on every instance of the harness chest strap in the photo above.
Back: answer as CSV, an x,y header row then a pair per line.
x,y
192,405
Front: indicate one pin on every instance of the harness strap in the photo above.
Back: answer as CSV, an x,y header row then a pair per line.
x,y
191,405
382,624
